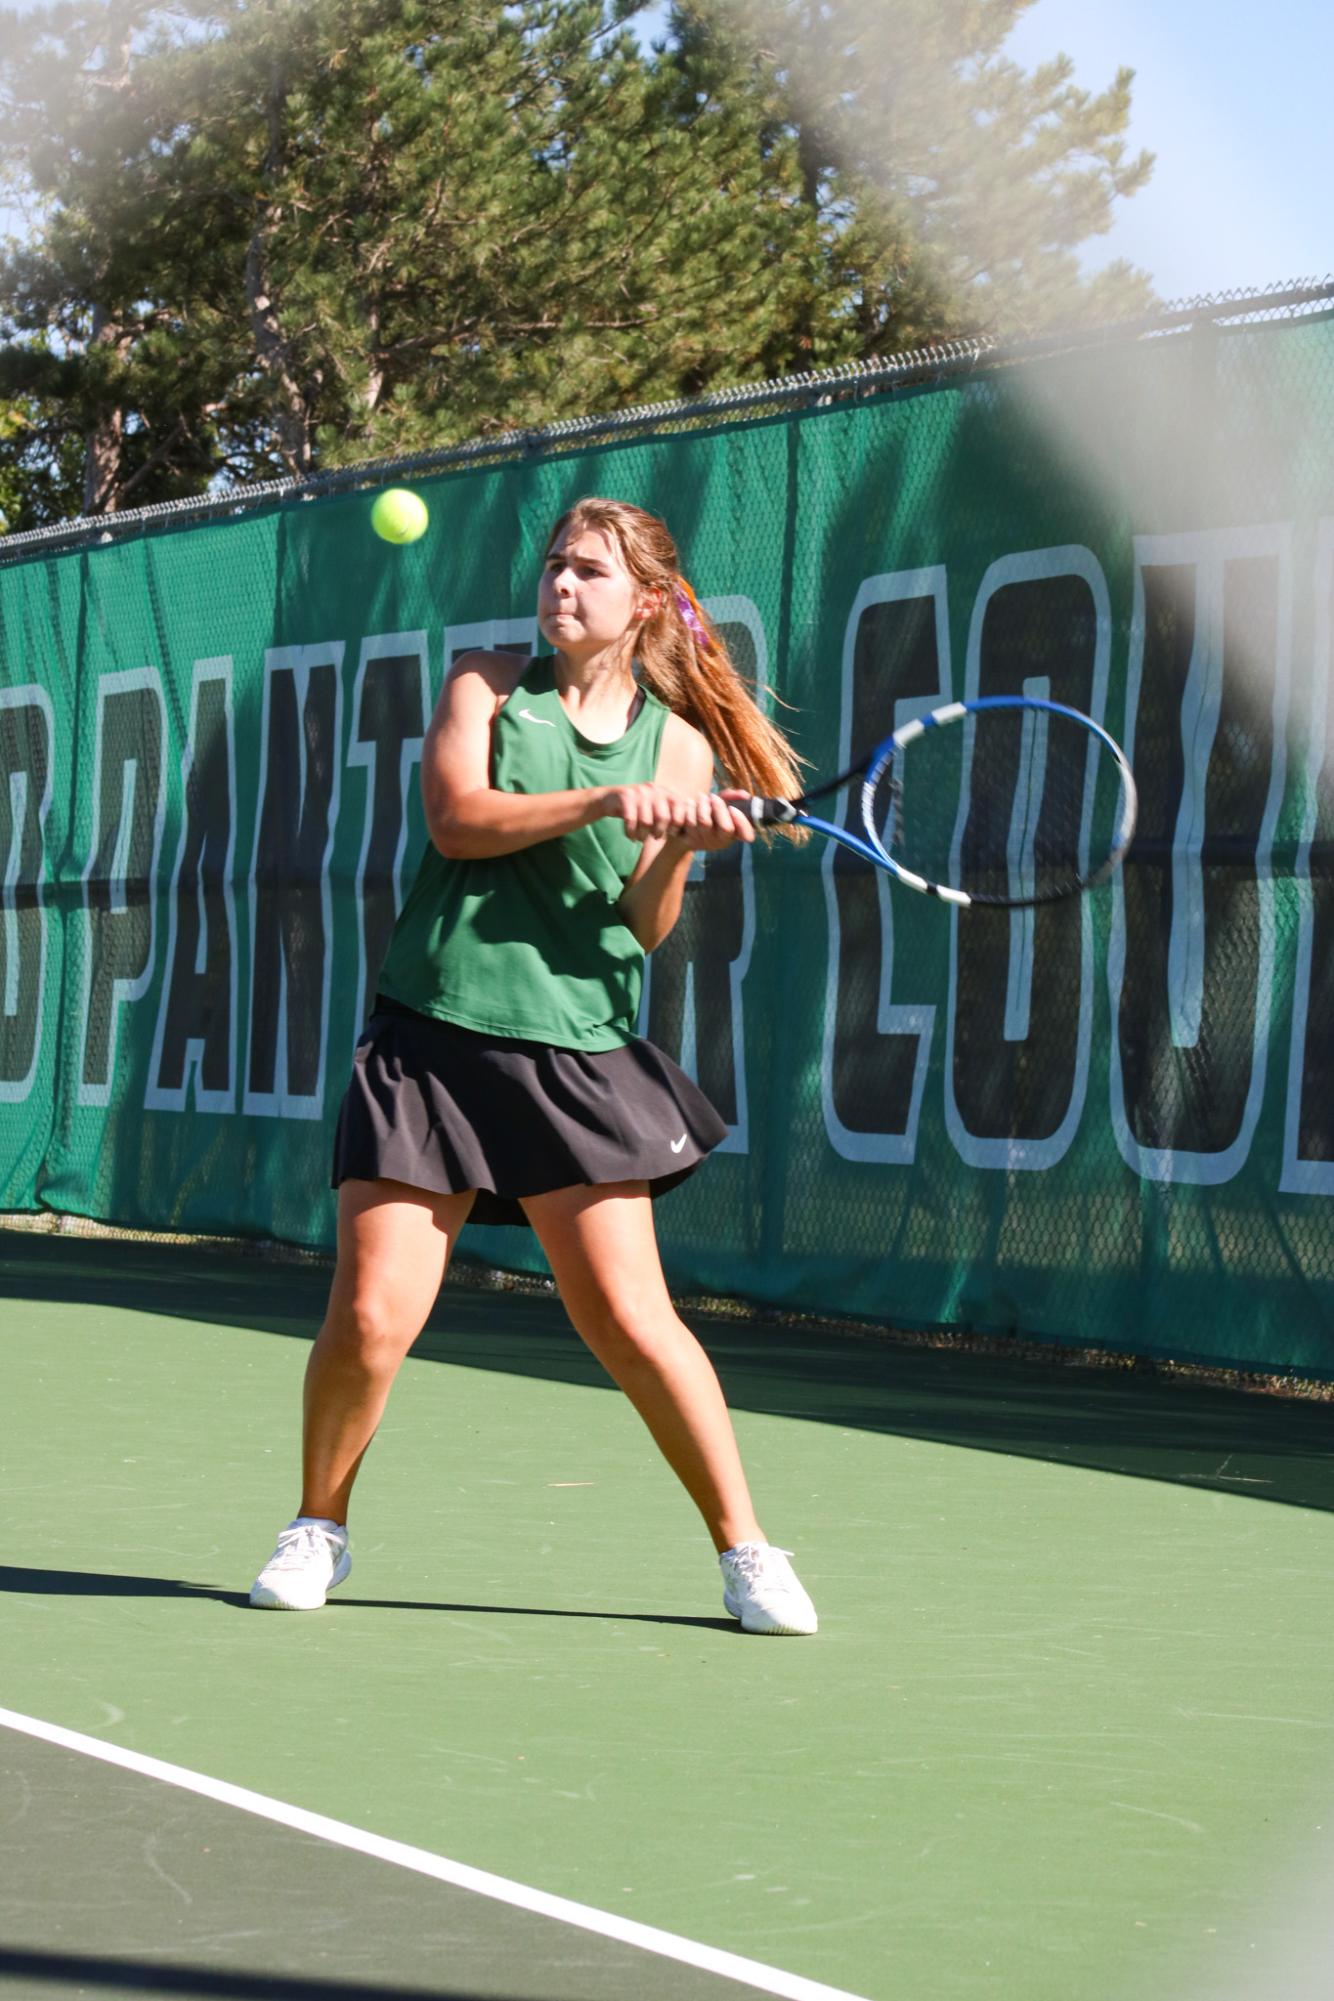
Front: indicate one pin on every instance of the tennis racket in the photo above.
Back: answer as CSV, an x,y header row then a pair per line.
x,y
1005,800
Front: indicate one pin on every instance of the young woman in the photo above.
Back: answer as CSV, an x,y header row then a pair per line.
x,y
500,1077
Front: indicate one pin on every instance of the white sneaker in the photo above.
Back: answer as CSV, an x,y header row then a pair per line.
x,y
761,1588
311,1557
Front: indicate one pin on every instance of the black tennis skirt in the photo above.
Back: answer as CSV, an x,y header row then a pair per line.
x,y
444,1108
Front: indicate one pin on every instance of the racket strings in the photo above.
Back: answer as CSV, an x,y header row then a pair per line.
x,y
1008,807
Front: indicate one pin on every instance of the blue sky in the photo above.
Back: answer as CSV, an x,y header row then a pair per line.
x,y
1235,102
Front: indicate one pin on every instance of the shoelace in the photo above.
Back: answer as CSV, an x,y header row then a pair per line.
x,y
749,1558
299,1545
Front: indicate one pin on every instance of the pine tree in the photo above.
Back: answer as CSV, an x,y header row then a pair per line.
x,y
284,235
953,188
280,235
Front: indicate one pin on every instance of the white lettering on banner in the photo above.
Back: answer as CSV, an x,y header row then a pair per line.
x,y
18,817
1205,726
910,1025
291,959
1031,1151
204,991
27,730
118,934
723,1016
388,730
1238,678
1308,1151
491,635
743,611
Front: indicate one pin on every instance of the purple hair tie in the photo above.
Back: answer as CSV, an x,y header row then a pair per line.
x,y
685,604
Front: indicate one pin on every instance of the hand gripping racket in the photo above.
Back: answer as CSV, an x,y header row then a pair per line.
x,y
1006,800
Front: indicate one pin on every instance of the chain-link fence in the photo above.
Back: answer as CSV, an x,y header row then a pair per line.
x,y
1109,1122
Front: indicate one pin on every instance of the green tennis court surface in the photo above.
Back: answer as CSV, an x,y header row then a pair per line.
x,y
1067,1733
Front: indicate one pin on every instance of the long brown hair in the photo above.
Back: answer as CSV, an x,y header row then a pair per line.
x,y
682,657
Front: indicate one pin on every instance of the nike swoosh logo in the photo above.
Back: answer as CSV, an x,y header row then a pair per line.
x,y
527,716
677,1144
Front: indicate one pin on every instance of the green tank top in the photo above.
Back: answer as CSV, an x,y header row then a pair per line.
x,y
531,944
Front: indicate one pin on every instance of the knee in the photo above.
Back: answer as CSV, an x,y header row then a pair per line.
x,y
624,1339
365,1332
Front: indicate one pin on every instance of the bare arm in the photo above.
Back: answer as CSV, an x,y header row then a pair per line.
x,y
651,901
469,819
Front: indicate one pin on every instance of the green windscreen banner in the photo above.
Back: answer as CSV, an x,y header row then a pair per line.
x,y
1108,1122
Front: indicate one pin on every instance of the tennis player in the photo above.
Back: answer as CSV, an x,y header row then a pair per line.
x,y
500,1077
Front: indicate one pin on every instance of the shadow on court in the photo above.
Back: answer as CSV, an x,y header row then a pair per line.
x,y
28,1579
1113,1420
78,1973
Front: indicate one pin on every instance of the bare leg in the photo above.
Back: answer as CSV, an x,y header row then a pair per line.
x,y
603,1253
394,1246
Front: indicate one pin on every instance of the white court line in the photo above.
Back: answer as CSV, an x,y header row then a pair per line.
x,y
667,1945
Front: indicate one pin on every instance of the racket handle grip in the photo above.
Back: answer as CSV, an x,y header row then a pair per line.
x,y
771,812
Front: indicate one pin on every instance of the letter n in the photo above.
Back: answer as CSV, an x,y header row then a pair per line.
x,y
196,1025
290,904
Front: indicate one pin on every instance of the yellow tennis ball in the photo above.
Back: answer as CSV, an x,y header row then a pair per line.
x,y
399,515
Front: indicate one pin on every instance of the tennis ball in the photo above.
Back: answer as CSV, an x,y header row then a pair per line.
x,y
399,515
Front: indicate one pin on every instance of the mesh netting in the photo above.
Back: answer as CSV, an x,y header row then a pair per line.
x,y
1109,1122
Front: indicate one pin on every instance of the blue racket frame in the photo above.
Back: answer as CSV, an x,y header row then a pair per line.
x,y
871,848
